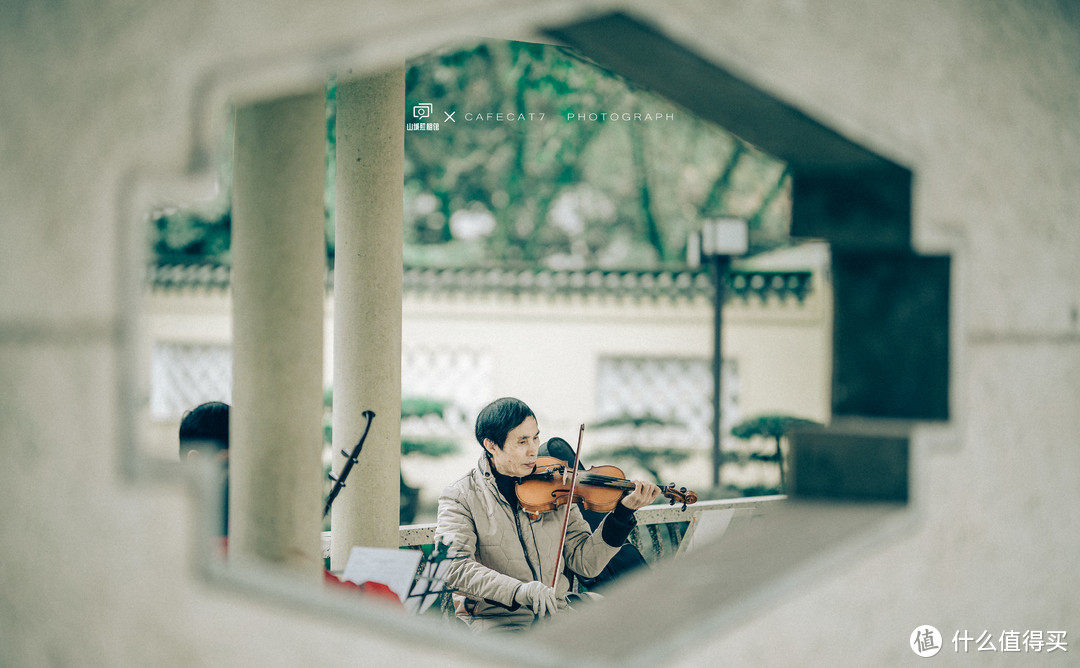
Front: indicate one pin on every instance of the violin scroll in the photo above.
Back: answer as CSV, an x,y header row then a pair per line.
x,y
682,495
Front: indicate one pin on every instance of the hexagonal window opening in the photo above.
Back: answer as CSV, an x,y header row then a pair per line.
x,y
860,203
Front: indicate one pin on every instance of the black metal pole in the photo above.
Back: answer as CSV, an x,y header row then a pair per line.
x,y
350,459
720,267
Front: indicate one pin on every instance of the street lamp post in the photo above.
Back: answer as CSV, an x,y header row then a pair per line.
x,y
719,240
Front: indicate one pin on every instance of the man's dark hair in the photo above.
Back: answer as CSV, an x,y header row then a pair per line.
x,y
500,416
205,427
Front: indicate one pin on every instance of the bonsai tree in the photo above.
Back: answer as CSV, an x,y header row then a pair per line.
x,y
774,427
649,458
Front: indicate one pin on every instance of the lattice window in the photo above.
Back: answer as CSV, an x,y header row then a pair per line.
x,y
459,376
674,389
184,375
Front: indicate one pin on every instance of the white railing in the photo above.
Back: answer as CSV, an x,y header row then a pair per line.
x,y
668,529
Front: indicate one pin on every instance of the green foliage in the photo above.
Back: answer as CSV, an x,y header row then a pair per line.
x,y
636,421
183,236
649,459
559,190
410,407
198,232
422,406
545,188
330,191
760,490
419,407
768,426
428,448
774,427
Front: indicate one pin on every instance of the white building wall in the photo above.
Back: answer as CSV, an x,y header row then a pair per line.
x,y
546,350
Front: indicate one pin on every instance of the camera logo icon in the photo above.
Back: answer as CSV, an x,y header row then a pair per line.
x,y
422,110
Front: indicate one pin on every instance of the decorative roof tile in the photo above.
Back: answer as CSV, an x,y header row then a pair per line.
x,y
621,284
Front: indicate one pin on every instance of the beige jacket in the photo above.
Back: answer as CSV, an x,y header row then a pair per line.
x,y
504,549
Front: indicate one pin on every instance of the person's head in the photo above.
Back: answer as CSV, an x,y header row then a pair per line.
x,y
205,429
507,430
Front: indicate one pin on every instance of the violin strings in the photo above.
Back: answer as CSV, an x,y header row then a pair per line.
x,y
601,479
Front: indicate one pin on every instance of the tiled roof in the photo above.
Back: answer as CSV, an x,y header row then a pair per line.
x,y
672,285
189,276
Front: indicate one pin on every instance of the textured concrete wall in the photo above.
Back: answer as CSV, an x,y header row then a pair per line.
x,y
107,109
982,102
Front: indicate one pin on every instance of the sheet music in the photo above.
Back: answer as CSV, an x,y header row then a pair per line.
x,y
386,565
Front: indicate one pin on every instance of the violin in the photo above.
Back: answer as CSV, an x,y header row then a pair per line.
x,y
598,488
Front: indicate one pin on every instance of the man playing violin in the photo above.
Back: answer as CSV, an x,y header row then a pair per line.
x,y
511,557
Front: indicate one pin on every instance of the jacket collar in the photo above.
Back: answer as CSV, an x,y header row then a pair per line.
x,y
486,478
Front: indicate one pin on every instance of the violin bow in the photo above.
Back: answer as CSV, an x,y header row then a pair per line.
x,y
339,478
569,505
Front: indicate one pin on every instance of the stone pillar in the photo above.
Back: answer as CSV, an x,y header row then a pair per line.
x,y
278,288
367,308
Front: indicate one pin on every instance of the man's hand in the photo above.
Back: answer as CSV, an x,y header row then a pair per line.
x,y
538,596
644,493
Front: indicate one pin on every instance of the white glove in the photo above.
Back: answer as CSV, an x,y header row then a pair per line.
x,y
538,596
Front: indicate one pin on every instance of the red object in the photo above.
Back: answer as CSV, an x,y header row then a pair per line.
x,y
376,589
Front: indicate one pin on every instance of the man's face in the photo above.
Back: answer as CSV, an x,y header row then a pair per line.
x,y
517,457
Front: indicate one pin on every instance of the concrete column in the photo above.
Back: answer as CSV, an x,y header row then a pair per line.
x,y
278,284
367,308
